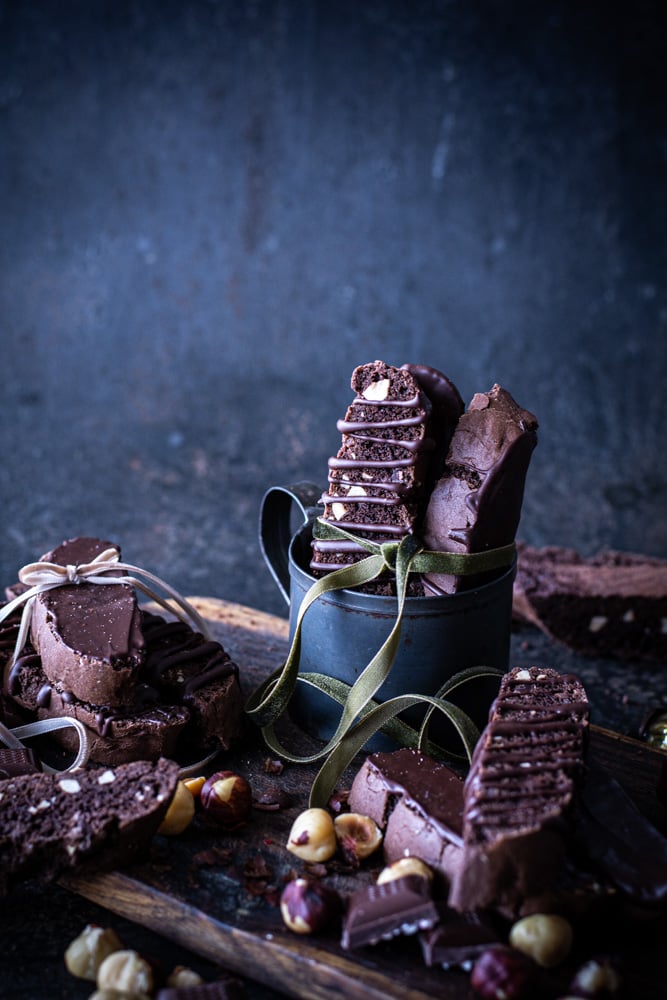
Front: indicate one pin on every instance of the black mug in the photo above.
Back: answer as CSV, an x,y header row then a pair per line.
x,y
343,629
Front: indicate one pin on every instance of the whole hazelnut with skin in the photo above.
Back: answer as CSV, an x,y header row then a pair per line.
x,y
226,798
502,973
307,906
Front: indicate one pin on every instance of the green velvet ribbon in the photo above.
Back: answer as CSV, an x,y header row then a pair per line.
x,y
362,716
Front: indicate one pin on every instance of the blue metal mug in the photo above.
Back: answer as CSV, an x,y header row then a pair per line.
x,y
343,629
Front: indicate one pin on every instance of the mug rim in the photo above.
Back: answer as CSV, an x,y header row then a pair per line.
x,y
385,603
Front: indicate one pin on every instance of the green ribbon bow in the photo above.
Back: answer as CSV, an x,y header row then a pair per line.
x,y
361,715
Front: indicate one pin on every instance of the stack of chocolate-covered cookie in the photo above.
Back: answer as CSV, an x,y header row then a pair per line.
x,y
142,686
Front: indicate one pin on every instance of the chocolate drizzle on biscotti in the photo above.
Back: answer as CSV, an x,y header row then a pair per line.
x,y
521,789
384,469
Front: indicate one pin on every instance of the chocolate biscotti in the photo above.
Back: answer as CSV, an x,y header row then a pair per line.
x,y
521,790
142,686
52,823
417,802
609,604
476,503
384,469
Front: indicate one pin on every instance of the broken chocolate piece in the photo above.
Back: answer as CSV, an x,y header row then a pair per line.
x,y
476,504
457,940
383,911
610,604
520,790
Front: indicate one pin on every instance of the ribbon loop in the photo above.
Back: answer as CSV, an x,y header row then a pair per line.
x,y
361,715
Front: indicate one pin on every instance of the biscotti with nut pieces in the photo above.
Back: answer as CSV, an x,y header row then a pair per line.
x,y
521,790
53,823
608,604
380,477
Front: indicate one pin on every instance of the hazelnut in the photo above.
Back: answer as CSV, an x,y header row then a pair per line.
x,y
125,971
180,813
313,836
86,952
502,973
195,785
545,937
226,798
409,865
359,836
116,995
307,906
182,976
597,977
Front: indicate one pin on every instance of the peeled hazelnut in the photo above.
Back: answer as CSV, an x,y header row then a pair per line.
x,y
409,865
182,976
313,836
545,937
226,798
87,951
307,906
378,390
502,973
116,995
125,971
359,836
598,977
180,813
195,785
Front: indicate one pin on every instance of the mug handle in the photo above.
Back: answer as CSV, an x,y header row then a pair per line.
x,y
275,531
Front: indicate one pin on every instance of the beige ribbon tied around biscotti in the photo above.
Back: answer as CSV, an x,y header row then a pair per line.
x,y
41,577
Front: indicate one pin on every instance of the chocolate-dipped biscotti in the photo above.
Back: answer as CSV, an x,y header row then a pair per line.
x,y
476,503
142,686
521,790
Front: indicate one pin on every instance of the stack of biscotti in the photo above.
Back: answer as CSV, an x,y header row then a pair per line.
x,y
609,604
53,823
412,462
143,687
392,437
476,503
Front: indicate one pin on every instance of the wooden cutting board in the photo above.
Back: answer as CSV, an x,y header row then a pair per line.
x,y
216,893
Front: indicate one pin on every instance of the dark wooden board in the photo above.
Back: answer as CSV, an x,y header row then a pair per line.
x,y
216,893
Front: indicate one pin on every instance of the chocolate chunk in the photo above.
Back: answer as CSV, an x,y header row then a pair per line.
x,y
521,789
476,504
380,912
457,940
221,989
610,604
416,801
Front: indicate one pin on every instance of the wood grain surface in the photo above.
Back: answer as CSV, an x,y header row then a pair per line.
x,y
216,893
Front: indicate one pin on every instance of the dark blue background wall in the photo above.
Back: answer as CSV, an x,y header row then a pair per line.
x,y
212,211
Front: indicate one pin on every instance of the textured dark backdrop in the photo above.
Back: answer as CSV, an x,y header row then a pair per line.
x,y
211,211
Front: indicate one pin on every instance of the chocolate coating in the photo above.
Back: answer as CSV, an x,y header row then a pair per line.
x,y
476,504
